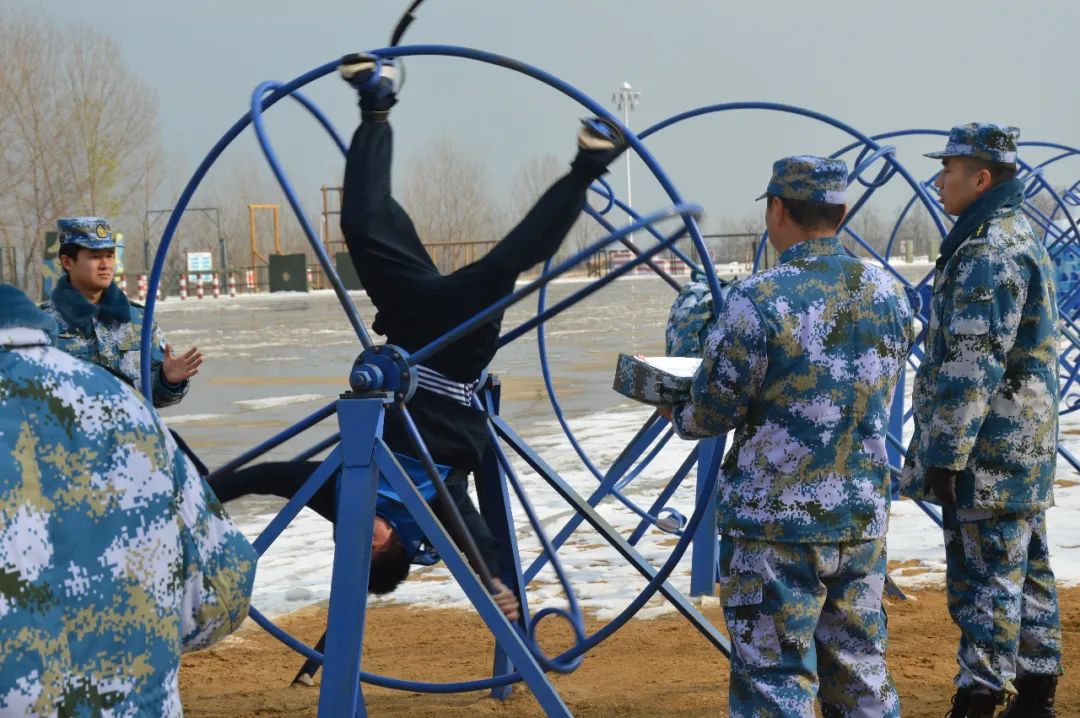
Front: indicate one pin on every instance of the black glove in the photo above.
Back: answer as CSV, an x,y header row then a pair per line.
x,y
942,482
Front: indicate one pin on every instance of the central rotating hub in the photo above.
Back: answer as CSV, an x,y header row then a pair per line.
x,y
383,368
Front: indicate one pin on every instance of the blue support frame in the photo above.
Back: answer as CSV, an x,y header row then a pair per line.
x,y
896,419
706,541
637,446
620,544
511,641
664,496
361,421
494,498
362,458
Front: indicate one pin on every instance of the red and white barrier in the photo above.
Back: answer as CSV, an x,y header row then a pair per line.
x,y
199,288
142,287
671,265
250,277
232,284
183,287
216,287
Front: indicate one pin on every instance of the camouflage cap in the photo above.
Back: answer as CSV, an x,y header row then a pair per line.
x,y
982,140
809,178
89,232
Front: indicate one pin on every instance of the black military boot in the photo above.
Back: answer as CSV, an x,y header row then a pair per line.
x,y
1034,698
982,704
960,704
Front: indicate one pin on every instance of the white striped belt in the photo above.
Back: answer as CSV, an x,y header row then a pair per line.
x,y
436,383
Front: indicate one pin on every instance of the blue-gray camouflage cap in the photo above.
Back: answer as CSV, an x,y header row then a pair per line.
x,y
981,140
810,178
89,232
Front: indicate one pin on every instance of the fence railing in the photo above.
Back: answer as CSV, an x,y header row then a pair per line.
x,y
217,283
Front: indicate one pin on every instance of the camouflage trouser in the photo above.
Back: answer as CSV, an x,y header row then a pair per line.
x,y
1002,596
797,612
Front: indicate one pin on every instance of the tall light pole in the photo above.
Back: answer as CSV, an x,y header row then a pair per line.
x,y
626,99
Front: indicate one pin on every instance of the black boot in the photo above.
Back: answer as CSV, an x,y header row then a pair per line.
x,y
1034,698
982,704
600,141
376,81
960,704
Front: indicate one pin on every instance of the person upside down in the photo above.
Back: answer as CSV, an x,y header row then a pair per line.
x,y
415,304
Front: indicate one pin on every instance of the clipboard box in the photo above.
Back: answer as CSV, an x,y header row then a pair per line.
x,y
658,381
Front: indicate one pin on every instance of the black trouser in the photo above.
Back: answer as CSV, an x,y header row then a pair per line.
x,y
416,303
284,479
457,484
278,478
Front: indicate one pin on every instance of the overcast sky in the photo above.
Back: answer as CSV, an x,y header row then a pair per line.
x,y
875,65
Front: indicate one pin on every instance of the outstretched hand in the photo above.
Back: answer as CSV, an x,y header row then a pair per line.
x,y
506,600
176,369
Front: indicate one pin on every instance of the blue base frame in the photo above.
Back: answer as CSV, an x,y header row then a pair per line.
x,y
363,457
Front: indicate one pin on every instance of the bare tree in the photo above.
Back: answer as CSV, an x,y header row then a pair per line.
x,y
114,124
741,248
1045,202
78,128
871,228
917,229
1046,210
39,187
532,180
448,197
234,183
238,180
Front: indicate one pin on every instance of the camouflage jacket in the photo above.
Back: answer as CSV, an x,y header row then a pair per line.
x,y
691,316
985,398
108,334
114,554
801,363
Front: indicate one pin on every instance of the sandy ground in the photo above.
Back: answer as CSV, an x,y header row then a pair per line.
x,y
661,667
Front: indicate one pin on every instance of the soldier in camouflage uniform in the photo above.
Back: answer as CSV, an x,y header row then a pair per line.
x,y
114,554
985,436
801,362
97,322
